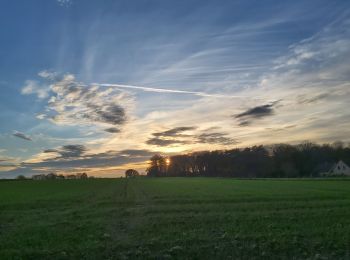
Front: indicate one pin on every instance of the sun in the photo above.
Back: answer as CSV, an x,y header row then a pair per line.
x,y
167,161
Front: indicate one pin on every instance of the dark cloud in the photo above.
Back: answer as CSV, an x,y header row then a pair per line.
x,y
244,123
27,171
8,165
68,151
175,136
136,152
216,138
172,136
86,160
257,112
175,131
112,130
109,113
165,142
254,113
50,151
21,135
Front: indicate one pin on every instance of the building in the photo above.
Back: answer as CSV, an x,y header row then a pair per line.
x,y
338,169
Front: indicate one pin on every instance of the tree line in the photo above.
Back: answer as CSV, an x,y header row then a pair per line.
x,y
54,176
281,160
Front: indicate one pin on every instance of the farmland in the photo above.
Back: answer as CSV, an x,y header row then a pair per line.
x,y
177,218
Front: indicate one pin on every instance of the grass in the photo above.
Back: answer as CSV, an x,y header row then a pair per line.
x,y
179,218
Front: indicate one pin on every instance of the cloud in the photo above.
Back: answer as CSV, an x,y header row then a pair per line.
x,y
176,136
313,99
244,123
64,2
257,112
33,87
68,151
75,156
7,167
314,66
40,116
112,130
170,91
8,163
21,135
106,113
216,138
46,74
12,172
136,153
175,131
165,142
79,159
7,159
171,137
74,103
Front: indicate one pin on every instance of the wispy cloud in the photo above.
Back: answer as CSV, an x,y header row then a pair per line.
x,y
33,87
47,74
21,135
170,91
313,99
64,2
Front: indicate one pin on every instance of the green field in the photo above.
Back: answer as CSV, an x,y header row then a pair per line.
x,y
180,218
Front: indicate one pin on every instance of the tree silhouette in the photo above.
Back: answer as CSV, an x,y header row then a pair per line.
x,y
280,160
157,167
131,173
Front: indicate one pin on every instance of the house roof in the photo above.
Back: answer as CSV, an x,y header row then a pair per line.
x,y
339,163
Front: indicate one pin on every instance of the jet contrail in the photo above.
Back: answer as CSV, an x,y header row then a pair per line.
x,y
163,90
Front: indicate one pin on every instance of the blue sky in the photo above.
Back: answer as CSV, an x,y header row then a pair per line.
x,y
99,86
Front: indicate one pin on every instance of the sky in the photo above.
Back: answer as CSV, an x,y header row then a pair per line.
x,y
101,86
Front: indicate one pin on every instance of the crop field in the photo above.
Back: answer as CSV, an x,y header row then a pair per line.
x,y
175,218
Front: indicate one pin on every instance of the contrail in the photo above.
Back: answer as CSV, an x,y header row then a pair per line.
x,y
163,90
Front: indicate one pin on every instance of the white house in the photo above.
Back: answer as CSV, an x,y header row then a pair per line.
x,y
340,168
